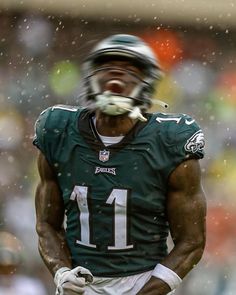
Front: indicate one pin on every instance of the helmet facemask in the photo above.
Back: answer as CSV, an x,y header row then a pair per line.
x,y
139,99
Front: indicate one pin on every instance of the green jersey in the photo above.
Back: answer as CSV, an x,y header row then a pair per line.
x,y
114,196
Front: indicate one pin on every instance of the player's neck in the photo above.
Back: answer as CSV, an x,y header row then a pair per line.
x,y
113,125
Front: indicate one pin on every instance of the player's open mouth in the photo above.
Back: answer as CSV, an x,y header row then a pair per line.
x,y
115,86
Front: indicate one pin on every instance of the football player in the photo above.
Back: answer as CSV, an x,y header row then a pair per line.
x,y
115,180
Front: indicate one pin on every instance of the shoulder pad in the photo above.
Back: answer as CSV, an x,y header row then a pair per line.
x,y
53,119
57,116
182,133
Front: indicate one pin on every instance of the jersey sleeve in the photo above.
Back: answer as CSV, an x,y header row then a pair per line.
x,y
189,139
183,139
40,130
51,129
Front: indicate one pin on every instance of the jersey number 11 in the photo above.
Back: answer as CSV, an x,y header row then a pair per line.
x,y
118,198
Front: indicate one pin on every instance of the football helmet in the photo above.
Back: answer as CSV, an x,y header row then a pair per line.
x,y
127,47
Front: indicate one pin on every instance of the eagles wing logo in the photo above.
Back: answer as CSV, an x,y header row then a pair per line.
x,y
195,143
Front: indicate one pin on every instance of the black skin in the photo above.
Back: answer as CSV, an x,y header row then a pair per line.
x,y
186,207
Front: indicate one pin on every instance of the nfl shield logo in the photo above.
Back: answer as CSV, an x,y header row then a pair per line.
x,y
104,155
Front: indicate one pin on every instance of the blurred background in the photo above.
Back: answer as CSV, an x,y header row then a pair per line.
x,y
42,46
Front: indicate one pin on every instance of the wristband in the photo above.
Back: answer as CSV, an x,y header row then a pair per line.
x,y
167,275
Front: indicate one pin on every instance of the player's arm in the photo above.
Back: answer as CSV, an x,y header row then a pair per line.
x,y
186,210
49,219
49,226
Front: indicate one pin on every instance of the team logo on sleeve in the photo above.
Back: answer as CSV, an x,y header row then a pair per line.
x,y
104,155
195,143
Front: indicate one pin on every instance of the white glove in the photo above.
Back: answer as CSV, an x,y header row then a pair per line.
x,y
72,281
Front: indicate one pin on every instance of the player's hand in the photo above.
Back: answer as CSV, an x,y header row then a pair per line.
x,y
72,281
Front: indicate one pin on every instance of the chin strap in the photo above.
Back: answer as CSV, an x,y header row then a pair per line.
x,y
114,105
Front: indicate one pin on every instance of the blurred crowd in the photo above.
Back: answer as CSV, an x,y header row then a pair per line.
x,y
40,62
